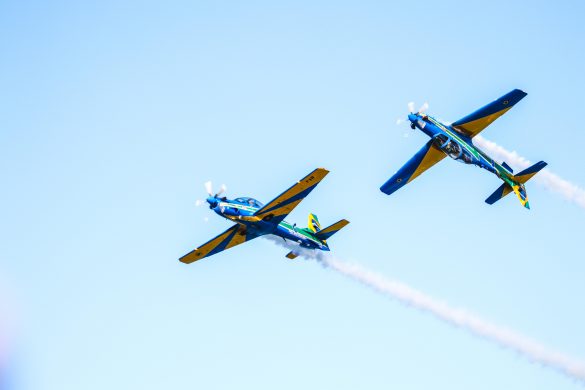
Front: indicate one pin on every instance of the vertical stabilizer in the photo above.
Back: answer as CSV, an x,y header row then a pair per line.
x,y
314,224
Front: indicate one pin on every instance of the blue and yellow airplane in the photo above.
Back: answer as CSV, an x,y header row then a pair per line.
x,y
253,219
455,141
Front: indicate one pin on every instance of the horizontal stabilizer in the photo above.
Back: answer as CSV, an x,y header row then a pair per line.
x,y
292,255
527,174
501,192
331,230
518,186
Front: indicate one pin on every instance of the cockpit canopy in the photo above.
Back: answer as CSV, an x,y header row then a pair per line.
x,y
452,149
249,202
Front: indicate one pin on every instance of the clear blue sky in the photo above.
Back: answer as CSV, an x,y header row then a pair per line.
x,y
114,113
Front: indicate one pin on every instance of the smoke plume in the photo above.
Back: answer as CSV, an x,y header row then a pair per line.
x,y
530,349
547,179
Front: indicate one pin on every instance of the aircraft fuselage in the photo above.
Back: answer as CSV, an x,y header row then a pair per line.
x,y
244,215
459,147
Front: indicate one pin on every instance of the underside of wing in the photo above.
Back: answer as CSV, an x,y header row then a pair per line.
x,y
474,123
423,160
236,235
281,206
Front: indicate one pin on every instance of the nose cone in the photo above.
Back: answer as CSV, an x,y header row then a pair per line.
x,y
212,202
412,117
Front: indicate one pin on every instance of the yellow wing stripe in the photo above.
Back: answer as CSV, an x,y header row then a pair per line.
x,y
432,157
284,210
475,127
237,235
308,181
238,238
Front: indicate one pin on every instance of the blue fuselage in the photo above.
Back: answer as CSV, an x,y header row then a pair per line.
x,y
456,145
243,214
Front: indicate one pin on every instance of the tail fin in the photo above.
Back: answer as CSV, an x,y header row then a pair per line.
x,y
505,165
331,230
314,224
518,186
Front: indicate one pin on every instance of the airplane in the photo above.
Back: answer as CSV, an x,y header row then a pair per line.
x,y
254,219
456,141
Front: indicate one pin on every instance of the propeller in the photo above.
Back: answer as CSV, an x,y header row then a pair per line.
x,y
421,110
222,189
209,189
411,107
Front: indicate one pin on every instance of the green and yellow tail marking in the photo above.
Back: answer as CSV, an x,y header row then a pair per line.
x,y
313,223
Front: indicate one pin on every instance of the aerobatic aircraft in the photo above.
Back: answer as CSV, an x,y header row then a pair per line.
x,y
455,141
254,219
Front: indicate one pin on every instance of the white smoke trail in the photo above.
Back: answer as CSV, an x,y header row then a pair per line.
x,y
546,178
507,338
407,295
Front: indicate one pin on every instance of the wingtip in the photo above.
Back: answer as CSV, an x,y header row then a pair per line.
x,y
518,90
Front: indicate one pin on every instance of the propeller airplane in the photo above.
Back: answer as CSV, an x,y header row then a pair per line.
x,y
254,219
455,141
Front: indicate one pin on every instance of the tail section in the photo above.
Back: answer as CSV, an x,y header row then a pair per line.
x,y
314,224
323,235
501,192
516,185
331,230
527,174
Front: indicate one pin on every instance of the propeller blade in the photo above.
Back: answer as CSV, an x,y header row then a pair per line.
x,y
221,190
411,107
208,188
199,202
400,121
423,108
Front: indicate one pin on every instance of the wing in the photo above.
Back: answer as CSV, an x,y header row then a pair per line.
x,y
280,207
474,123
423,160
235,235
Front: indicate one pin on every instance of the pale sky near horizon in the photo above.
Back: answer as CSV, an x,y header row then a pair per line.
x,y
113,114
